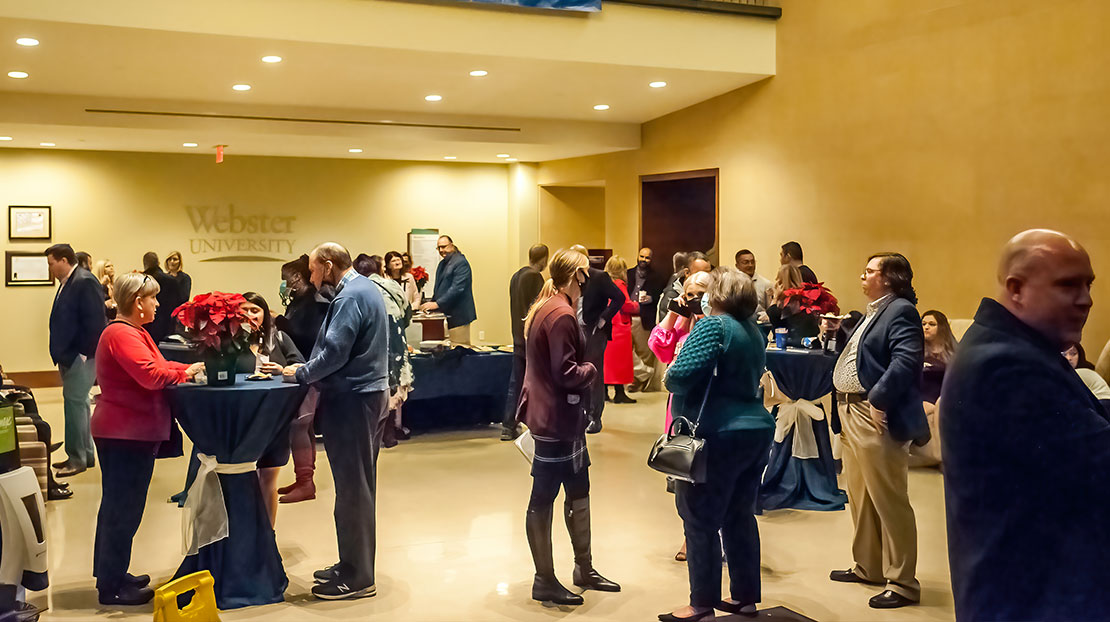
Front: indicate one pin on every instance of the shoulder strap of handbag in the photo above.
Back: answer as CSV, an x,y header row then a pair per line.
x,y
709,385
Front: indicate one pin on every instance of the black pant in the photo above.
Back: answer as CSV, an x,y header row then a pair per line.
x,y
725,505
595,353
125,470
547,481
348,422
516,381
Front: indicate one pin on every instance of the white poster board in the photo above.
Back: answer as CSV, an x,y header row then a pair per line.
x,y
422,249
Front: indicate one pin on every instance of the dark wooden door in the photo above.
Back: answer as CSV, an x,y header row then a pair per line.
x,y
678,212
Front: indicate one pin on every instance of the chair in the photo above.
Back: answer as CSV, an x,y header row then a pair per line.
x,y
202,607
959,327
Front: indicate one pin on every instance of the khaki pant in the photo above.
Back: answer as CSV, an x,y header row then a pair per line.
x,y
459,335
645,367
875,473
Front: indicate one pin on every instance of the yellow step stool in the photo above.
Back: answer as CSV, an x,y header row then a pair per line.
x,y
202,607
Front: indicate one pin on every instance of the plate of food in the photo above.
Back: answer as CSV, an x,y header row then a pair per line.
x,y
259,376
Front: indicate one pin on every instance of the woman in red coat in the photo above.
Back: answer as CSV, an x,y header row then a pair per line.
x,y
618,354
557,382
131,420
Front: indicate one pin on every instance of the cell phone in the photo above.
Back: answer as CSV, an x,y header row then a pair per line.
x,y
678,305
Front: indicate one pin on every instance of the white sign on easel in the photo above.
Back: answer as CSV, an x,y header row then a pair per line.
x,y
422,249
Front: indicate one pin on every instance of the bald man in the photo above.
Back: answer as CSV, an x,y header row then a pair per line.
x,y
349,365
1027,447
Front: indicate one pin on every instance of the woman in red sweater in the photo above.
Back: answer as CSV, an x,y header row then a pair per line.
x,y
557,381
131,420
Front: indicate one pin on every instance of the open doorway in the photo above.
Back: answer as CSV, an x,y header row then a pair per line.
x,y
678,212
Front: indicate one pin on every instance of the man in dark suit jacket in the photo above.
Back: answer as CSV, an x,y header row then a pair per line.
x,y
601,301
169,298
1027,447
76,321
878,385
524,288
454,292
645,286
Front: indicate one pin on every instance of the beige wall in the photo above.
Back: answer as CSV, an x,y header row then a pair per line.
x,y
934,129
119,205
572,215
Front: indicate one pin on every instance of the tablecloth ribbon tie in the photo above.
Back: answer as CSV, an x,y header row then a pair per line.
x,y
791,414
204,520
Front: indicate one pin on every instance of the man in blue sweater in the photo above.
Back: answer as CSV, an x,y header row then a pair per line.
x,y
349,366
454,292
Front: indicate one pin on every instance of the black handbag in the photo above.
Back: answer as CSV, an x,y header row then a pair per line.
x,y
680,453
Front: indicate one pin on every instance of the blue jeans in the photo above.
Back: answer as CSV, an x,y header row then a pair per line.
x,y
77,381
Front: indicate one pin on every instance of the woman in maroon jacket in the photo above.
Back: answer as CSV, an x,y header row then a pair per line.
x,y
552,404
130,421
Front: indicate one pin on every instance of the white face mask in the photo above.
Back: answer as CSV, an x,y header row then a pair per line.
x,y
705,304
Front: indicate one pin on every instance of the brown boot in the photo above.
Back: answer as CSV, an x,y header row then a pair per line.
x,y
302,491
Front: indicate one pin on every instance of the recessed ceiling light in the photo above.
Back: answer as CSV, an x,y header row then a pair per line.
x,y
242,87
188,144
5,137
19,75
502,155
27,42
450,157
601,107
479,73
433,98
511,160
46,144
271,59
658,84
354,150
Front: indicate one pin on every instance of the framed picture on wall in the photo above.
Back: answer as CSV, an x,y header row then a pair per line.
x,y
26,268
29,222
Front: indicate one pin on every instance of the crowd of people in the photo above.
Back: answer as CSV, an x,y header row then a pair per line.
x,y
1012,407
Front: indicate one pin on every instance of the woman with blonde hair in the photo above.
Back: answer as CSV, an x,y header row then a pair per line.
x,y
789,315
618,352
557,381
105,272
184,281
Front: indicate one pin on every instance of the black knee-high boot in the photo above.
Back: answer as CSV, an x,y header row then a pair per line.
x,y
577,514
545,587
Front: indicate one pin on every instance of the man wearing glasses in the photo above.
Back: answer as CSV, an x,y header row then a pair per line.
x,y
454,292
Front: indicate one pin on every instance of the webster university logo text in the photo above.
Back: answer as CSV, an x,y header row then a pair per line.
x,y
229,234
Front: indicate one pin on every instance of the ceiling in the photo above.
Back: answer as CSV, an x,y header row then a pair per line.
x,y
325,98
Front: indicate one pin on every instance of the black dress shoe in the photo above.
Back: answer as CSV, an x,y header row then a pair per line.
x,y
60,465
594,427
737,608
69,471
849,576
889,600
623,399
55,447
591,580
57,493
138,580
509,434
670,617
127,595
548,589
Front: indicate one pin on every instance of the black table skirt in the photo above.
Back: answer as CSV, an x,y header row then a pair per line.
x,y
236,424
457,387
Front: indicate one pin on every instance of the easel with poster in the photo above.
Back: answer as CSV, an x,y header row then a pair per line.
x,y
422,249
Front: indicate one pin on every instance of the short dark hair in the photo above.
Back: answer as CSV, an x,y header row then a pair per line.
x,y
298,266
367,265
793,249
60,252
680,260
896,268
537,252
150,261
743,251
84,260
448,238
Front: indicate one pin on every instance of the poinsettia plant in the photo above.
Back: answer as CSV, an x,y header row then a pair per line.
x,y
812,298
420,275
215,323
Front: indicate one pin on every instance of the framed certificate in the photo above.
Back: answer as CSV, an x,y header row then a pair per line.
x,y
29,222
24,268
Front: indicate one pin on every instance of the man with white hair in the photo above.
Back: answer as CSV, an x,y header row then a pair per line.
x,y
349,365
1027,447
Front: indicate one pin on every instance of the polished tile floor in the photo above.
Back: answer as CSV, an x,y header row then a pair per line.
x,y
452,545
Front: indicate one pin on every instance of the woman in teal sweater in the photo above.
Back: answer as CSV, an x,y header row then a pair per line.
x,y
738,431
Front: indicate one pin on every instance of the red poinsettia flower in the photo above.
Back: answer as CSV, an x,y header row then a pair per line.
x,y
214,322
419,273
812,298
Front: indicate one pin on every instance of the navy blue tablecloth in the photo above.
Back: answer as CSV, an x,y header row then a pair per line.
x,y
456,386
789,482
236,424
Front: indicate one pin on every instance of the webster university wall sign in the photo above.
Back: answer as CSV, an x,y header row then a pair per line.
x,y
224,233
